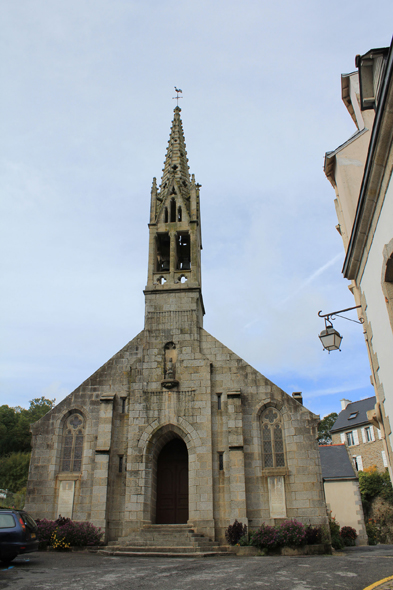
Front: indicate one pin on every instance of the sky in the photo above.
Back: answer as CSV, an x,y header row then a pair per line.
x,y
86,109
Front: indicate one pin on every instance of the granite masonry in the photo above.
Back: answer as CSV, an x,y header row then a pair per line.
x,y
176,428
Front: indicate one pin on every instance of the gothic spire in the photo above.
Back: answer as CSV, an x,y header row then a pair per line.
x,y
176,161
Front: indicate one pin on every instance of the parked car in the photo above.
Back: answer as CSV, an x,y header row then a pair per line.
x,y
18,534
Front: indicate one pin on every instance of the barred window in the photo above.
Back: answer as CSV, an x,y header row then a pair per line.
x,y
73,434
272,439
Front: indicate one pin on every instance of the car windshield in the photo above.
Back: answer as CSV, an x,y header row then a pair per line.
x,y
7,521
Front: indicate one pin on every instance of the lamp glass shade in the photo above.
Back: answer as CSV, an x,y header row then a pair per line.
x,y
331,339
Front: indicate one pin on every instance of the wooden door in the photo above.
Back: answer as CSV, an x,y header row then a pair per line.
x,y
172,483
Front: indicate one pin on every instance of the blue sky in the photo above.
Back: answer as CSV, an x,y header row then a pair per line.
x,y
87,108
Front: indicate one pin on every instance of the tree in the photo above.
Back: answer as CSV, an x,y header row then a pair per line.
x,y
15,435
325,425
14,470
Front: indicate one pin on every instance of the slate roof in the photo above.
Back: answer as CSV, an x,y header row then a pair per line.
x,y
335,462
361,407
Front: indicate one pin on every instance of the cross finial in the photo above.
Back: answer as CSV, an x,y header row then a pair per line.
x,y
177,90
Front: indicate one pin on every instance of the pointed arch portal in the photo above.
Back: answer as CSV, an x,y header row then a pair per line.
x,y
172,483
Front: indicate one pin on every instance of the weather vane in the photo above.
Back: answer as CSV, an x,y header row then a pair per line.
x,y
177,90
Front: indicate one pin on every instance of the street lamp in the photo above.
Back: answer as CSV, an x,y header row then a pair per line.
x,y
330,338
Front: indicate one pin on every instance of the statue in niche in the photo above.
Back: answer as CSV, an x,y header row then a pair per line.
x,y
170,357
169,370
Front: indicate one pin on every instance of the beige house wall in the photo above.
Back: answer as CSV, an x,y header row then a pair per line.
x,y
344,501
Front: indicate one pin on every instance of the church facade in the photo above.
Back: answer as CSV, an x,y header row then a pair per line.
x,y
176,428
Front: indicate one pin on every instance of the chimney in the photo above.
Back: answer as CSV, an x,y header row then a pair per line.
x,y
344,403
297,395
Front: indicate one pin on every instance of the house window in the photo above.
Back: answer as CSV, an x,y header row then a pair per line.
x,y
350,438
73,434
219,401
368,434
357,462
120,463
272,439
353,415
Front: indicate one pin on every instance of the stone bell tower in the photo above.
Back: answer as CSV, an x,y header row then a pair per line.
x,y
174,273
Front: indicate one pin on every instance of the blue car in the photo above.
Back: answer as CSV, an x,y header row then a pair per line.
x,y
18,534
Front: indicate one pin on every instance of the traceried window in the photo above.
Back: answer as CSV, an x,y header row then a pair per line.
x,y
73,435
272,439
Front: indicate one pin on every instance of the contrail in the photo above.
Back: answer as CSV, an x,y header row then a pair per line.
x,y
314,275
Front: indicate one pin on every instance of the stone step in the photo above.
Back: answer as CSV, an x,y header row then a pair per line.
x,y
154,549
168,553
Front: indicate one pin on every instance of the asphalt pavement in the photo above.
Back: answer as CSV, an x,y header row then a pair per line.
x,y
355,568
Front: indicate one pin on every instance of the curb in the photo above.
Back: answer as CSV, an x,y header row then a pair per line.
x,y
384,584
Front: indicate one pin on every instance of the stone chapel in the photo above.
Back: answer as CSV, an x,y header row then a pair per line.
x,y
176,428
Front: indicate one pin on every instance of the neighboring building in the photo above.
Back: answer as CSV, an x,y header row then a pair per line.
x,y
362,439
342,489
360,171
176,428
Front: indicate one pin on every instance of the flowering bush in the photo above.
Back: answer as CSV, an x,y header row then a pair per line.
x,y
313,535
64,533
266,537
348,535
235,532
79,534
292,532
45,530
59,543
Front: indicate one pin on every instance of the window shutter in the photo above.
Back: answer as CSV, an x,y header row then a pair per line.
x,y
360,463
364,435
385,463
355,437
342,435
379,433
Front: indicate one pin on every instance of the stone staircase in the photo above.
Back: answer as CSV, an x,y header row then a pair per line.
x,y
164,540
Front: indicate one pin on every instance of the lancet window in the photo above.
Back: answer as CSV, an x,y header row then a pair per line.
x,y
272,439
73,437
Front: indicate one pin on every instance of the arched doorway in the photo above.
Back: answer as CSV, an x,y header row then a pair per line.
x,y
172,483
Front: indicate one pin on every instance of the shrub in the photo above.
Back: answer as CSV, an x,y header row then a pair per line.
x,y
234,532
313,535
67,533
337,542
348,535
372,531
373,483
79,534
45,530
266,537
292,532
62,520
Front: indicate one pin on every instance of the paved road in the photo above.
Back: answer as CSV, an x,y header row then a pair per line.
x,y
353,569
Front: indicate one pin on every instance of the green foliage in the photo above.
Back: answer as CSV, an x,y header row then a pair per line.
x,y
373,483
324,427
15,435
14,470
372,531
337,542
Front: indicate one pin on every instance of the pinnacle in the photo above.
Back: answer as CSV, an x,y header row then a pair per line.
x,y
176,157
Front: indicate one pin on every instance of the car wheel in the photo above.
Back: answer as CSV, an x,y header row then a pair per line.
x,y
8,558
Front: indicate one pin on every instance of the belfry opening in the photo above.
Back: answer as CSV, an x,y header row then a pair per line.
x,y
172,483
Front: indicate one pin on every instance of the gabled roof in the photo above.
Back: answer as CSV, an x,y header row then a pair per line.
x,y
335,462
359,408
